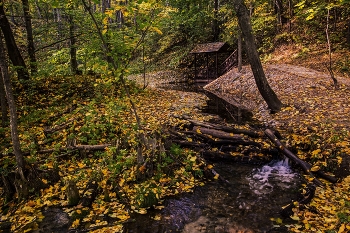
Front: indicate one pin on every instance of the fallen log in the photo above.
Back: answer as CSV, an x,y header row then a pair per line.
x,y
217,133
75,147
251,133
228,137
304,165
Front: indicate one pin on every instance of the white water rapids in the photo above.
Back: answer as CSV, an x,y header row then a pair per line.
x,y
275,174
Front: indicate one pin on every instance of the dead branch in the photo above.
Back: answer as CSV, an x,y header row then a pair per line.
x,y
76,147
304,165
251,133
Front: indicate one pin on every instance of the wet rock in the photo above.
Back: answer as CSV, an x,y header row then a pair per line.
x,y
56,220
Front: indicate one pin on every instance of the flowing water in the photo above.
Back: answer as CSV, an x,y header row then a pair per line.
x,y
252,197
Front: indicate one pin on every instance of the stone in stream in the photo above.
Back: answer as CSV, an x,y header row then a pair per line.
x,y
56,220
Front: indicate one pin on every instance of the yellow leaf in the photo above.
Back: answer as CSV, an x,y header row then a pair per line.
x,y
121,182
315,168
296,218
210,166
157,30
341,228
198,131
76,223
216,176
315,152
50,165
278,221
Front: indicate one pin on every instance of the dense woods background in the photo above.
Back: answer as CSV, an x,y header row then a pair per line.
x,y
60,38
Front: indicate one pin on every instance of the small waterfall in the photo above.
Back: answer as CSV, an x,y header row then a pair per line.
x,y
276,174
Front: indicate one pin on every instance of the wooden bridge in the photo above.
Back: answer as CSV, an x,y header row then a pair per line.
x,y
213,61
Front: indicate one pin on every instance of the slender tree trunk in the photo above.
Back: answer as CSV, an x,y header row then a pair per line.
x,y
348,32
58,20
278,8
290,9
215,21
3,102
329,67
30,41
264,88
12,108
73,49
13,51
38,9
239,51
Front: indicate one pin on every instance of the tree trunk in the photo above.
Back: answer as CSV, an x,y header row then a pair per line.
x,y
264,88
12,108
73,49
13,51
30,41
348,32
239,51
290,9
215,21
3,102
58,20
329,45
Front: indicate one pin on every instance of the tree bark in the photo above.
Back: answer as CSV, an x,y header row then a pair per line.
x,y
3,102
30,41
13,114
13,51
73,49
329,45
239,51
264,88
215,21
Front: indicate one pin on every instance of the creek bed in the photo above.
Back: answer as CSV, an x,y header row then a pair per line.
x,y
253,196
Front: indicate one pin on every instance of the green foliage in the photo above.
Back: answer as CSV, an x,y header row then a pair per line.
x,y
176,150
343,217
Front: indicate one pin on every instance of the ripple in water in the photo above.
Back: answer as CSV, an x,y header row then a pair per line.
x,y
275,174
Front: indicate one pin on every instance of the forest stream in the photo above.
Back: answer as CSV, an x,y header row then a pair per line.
x,y
252,195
